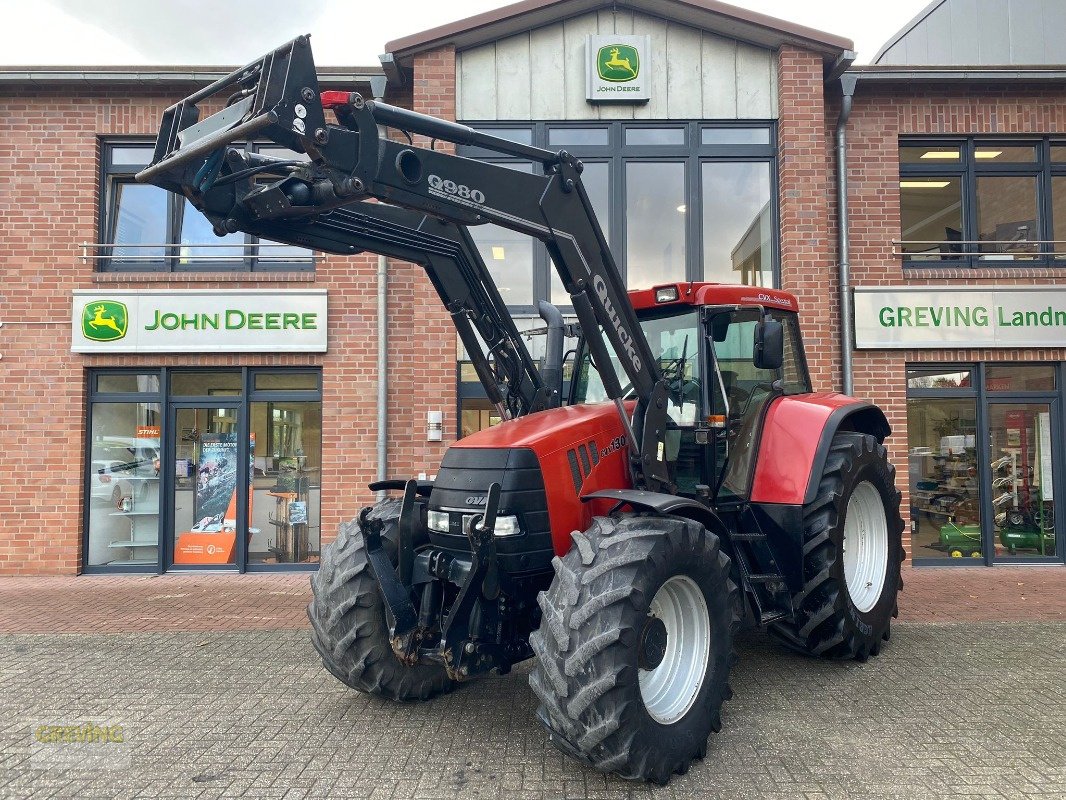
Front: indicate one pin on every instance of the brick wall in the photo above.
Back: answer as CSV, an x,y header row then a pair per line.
x,y
49,166
879,118
807,210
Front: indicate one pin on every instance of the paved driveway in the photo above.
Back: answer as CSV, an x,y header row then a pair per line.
x,y
974,709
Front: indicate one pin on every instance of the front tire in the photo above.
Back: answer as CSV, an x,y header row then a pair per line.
x,y
348,627
852,551
636,644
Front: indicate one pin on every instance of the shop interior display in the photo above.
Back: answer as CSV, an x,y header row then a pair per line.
x,y
289,518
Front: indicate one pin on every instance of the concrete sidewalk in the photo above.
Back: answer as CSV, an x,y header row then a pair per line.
x,y
276,601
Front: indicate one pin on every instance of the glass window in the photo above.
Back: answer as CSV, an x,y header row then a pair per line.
x,y
576,137
122,491
1023,499
204,384
1016,378
943,473
1058,214
127,382
655,223
1058,152
737,229
655,136
287,482
725,136
1006,217
931,216
596,180
148,227
508,255
936,154
139,218
1004,154
286,381
938,378
476,414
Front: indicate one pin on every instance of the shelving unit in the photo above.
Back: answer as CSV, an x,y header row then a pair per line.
x,y
142,546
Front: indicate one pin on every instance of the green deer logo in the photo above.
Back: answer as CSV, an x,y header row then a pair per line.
x,y
104,320
618,63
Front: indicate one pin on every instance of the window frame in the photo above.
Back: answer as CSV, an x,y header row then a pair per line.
x,y
968,170
616,154
112,175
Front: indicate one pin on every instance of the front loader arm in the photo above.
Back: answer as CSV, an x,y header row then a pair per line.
x,y
277,97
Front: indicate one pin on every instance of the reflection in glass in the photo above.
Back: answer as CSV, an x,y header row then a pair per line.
x,y
476,414
655,223
597,187
286,381
1004,154
127,382
742,136
655,136
199,243
736,223
931,217
140,218
577,137
287,482
202,384
1058,213
1015,378
1023,500
926,378
508,256
1006,217
131,156
123,484
943,473
938,154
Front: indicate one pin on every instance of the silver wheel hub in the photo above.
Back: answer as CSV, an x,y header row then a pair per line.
x,y
865,546
670,687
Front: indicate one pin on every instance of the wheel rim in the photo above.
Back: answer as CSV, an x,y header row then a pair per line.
x,y
670,689
865,546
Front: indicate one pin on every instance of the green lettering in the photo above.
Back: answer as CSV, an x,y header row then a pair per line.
x,y
234,319
904,316
1047,317
937,315
1060,317
888,320
309,322
920,314
189,321
290,320
155,322
980,317
255,322
169,321
1001,317
273,322
209,321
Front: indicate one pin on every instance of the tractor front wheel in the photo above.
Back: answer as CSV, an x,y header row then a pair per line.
x,y
348,627
635,646
852,551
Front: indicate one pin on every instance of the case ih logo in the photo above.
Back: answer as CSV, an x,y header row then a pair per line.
x,y
104,320
618,63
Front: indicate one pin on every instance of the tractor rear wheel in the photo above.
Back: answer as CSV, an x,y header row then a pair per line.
x,y
635,646
852,551
348,627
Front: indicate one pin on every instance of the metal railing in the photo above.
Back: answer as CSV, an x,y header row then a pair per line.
x,y
177,254
958,249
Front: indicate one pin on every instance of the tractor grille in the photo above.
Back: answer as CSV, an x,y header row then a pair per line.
x,y
462,486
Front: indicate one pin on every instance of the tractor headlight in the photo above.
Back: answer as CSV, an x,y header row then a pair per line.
x,y
437,521
506,526
440,521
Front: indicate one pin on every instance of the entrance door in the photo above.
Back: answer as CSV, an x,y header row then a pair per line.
x,y
204,520
1023,440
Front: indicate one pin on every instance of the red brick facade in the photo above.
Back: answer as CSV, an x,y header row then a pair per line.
x,y
49,158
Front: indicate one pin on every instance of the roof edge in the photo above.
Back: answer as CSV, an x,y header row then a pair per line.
x,y
158,75
895,38
489,22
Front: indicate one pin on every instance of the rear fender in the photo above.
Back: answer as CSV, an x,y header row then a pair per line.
x,y
796,437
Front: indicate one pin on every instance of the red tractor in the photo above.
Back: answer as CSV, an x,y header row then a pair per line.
x,y
691,482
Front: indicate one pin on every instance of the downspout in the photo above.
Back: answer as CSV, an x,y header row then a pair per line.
x,y
847,89
377,88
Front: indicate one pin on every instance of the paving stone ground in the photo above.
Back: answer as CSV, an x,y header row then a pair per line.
x,y
974,710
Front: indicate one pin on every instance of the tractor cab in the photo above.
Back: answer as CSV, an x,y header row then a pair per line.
x,y
727,352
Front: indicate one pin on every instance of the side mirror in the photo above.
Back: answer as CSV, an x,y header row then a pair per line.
x,y
769,351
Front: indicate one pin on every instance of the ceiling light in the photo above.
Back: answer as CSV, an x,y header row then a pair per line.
x,y
923,184
498,254
988,153
952,155
682,208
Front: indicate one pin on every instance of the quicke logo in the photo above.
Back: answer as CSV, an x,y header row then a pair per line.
x,y
618,63
104,320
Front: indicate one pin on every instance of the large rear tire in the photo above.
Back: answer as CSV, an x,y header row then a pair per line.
x,y
852,551
348,627
635,646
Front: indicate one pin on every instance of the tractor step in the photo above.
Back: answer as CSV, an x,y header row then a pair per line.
x,y
772,616
748,537
767,577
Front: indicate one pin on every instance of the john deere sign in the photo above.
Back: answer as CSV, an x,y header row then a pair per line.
x,y
619,69
944,317
203,321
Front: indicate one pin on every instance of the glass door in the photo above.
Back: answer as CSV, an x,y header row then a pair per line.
x,y
210,467
1023,439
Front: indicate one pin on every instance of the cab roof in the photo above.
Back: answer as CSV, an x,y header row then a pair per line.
x,y
699,293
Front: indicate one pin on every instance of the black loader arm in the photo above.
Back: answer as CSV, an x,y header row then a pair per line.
x,y
353,162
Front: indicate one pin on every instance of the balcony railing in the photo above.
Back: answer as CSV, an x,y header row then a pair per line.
x,y
987,252
171,256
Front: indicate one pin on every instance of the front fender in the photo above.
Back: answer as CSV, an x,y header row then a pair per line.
x,y
677,505
796,437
